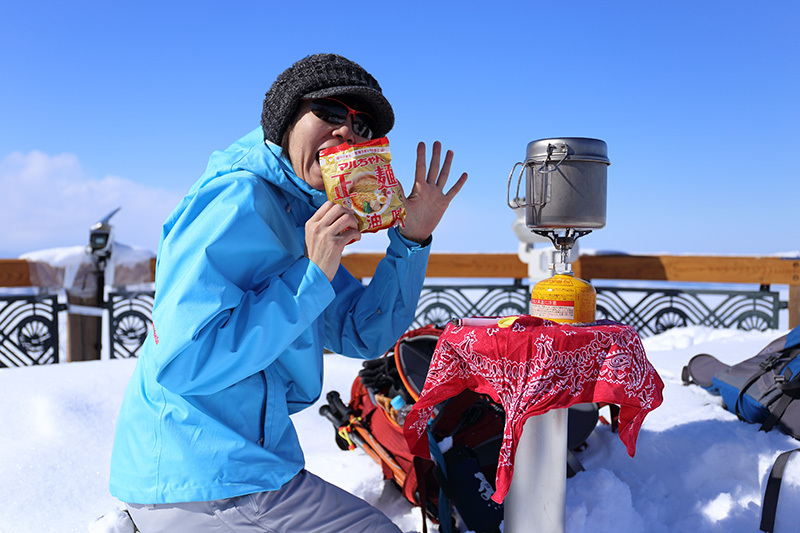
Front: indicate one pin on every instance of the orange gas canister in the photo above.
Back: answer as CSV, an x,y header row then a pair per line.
x,y
564,298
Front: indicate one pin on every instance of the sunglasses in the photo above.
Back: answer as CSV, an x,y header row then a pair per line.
x,y
335,112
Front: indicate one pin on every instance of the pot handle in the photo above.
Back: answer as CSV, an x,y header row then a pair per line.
x,y
542,169
516,204
545,189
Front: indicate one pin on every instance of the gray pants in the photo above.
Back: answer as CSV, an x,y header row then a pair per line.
x,y
305,504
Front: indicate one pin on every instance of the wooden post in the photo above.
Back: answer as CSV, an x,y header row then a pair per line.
x,y
83,342
794,306
84,331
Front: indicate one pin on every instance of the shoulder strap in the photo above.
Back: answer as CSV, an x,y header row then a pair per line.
x,y
422,467
440,471
770,504
790,391
764,366
776,355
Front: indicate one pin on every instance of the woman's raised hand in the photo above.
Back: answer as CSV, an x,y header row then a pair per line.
x,y
428,202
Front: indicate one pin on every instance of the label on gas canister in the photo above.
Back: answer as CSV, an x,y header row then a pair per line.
x,y
553,309
563,298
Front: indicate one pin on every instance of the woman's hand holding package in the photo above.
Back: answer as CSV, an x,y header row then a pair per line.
x,y
427,202
328,231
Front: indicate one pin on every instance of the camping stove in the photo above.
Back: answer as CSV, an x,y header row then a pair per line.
x,y
564,199
565,191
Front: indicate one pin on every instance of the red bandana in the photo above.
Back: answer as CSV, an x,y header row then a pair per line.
x,y
535,365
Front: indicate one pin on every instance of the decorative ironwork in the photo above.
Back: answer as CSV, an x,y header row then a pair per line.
x,y
29,325
653,311
648,310
130,320
29,330
440,303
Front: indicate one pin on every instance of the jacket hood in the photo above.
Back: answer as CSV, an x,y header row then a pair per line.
x,y
266,160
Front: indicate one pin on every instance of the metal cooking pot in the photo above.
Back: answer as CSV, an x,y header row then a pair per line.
x,y
565,183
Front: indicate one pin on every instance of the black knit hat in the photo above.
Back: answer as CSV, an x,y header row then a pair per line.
x,y
317,76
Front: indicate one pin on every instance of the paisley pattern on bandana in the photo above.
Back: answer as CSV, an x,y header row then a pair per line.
x,y
534,366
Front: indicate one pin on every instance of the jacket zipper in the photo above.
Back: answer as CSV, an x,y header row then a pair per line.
x,y
263,375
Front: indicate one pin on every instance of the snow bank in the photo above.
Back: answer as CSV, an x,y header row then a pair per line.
x,y
697,468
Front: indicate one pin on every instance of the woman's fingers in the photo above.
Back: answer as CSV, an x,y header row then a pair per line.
x,y
427,202
422,168
433,170
437,172
328,231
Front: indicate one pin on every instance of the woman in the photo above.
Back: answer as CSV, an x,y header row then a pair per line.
x,y
249,292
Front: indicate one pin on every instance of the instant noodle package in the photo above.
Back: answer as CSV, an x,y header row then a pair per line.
x,y
360,177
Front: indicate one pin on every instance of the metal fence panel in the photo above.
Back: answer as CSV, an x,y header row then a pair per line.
x,y
649,310
131,317
653,311
29,325
29,330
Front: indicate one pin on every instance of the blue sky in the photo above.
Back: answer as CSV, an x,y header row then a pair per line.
x,y
120,104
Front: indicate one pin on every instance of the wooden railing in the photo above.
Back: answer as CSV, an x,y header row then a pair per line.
x,y
15,273
763,271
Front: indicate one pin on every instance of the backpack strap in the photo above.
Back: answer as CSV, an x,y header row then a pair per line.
x,y
440,472
764,366
770,504
790,391
421,468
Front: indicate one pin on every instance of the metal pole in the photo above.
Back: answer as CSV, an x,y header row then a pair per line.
x,y
536,500
101,302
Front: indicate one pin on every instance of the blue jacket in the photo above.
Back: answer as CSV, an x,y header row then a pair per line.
x,y
240,321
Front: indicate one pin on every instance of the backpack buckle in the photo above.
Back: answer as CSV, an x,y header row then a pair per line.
x,y
769,362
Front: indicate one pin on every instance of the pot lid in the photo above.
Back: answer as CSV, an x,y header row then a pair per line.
x,y
577,149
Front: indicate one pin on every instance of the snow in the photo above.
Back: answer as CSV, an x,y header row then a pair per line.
x,y
697,468
73,268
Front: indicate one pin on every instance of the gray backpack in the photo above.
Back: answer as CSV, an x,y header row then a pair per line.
x,y
761,390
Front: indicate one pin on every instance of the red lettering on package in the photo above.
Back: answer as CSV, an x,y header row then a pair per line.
x,y
385,176
341,191
374,220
